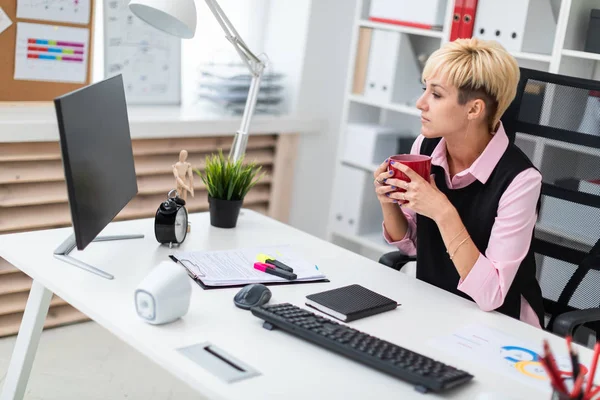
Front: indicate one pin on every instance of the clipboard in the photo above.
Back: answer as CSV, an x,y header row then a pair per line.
x,y
205,286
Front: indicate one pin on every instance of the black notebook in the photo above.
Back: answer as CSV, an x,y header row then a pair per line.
x,y
350,303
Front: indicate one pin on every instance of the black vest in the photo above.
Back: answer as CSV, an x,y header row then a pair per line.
x,y
477,205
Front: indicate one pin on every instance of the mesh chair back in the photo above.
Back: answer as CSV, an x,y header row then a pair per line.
x,y
555,120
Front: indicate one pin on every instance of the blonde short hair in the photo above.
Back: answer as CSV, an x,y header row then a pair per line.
x,y
479,69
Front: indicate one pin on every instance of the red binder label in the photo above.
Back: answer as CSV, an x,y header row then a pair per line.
x,y
468,19
456,19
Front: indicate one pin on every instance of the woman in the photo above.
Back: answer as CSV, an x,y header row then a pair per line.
x,y
471,225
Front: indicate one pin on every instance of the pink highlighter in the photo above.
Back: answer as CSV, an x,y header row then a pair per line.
x,y
271,269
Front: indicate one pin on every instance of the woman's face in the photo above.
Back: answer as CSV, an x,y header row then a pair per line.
x,y
441,114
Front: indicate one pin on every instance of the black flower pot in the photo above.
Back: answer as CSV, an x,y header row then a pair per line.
x,y
224,213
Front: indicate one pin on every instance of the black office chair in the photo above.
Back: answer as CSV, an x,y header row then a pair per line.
x,y
558,118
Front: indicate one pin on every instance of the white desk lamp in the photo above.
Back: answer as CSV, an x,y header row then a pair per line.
x,y
178,18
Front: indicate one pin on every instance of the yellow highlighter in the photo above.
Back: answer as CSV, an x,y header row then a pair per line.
x,y
264,258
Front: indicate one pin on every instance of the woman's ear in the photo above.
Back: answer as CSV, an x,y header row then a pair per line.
x,y
476,109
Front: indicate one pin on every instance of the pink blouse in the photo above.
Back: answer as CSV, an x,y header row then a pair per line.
x,y
491,276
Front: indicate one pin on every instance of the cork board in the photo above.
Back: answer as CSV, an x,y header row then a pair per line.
x,y
12,90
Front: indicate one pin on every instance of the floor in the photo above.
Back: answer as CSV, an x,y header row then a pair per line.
x,y
85,361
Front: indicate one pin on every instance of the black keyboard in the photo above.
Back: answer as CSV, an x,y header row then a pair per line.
x,y
426,374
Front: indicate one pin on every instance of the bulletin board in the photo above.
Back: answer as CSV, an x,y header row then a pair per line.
x,y
12,90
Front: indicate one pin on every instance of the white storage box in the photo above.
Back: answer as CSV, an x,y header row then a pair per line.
x,y
393,75
355,208
519,25
370,144
425,14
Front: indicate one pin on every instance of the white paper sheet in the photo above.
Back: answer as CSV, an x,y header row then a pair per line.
x,y
231,267
504,354
74,11
51,53
5,21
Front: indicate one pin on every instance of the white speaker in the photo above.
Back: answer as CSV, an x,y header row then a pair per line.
x,y
164,294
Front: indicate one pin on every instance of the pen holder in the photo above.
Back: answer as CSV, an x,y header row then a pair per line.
x,y
559,396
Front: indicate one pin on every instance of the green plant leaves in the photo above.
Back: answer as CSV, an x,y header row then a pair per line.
x,y
228,180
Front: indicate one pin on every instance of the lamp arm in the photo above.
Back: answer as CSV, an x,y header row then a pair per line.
x,y
254,64
238,148
256,67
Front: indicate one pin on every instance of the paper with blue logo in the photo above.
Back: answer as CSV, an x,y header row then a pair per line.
x,y
504,354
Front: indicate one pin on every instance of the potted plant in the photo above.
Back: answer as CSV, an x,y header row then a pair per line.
x,y
227,183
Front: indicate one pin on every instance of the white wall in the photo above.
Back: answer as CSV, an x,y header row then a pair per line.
x,y
285,44
321,94
208,44
309,42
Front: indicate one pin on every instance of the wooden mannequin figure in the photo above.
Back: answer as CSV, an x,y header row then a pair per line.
x,y
184,176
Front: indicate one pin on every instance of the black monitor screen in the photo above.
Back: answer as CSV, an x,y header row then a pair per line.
x,y
97,155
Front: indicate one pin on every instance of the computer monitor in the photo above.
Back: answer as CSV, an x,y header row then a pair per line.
x,y
98,162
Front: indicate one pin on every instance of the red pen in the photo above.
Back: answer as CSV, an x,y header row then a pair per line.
x,y
552,365
593,393
270,269
554,380
588,389
577,387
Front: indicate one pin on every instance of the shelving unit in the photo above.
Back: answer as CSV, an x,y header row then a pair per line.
x,y
546,58
401,108
401,29
567,57
358,165
372,241
581,54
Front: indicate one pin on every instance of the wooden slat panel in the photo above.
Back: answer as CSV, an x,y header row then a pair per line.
x,y
38,151
14,283
32,179
29,194
24,171
146,206
155,184
58,215
281,189
44,171
57,316
197,145
262,208
15,302
30,151
6,267
160,164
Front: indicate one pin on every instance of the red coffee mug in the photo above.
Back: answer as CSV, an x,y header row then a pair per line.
x,y
419,163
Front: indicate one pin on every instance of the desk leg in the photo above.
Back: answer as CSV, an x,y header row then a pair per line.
x,y
27,342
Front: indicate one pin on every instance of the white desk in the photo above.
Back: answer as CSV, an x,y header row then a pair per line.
x,y
289,367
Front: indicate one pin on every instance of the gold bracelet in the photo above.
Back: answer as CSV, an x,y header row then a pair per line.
x,y
454,238
457,247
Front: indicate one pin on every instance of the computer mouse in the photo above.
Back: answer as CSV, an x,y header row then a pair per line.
x,y
252,295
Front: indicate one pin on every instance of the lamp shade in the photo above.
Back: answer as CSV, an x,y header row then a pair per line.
x,y
175,17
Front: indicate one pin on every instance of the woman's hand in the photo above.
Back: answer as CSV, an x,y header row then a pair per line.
x,y
421,196
382,187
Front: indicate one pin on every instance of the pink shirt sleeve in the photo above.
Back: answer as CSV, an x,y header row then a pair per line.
x,y
491,276
408,244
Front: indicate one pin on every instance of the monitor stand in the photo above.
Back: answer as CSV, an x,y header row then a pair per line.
x,y
62,252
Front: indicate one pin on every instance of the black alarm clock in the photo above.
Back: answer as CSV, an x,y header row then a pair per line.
x,y
171,220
